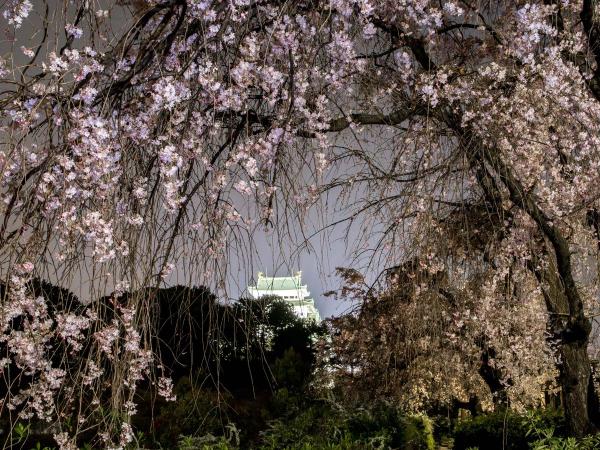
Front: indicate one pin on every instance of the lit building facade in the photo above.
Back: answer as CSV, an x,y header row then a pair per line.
x,y
290,290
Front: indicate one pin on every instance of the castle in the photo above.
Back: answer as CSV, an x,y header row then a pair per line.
x,y
290,290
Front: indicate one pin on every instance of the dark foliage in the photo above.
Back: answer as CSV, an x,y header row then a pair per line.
x,y
323,425
503,430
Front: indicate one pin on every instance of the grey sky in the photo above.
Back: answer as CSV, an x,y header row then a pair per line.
x,y
318,267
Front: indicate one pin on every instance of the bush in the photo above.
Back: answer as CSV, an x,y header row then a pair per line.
x,y
323,426
546,438
504,430
418,433
230,441
194,413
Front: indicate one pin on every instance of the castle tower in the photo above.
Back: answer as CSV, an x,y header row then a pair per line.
x,y
290,290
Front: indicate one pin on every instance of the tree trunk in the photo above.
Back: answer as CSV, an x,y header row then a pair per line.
x,y
578,398
492,376
472,405
564,303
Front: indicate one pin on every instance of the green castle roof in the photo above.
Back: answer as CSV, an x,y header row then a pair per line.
x,y
278,283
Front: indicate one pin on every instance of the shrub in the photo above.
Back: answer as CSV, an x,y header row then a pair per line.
x,y
230,441
503,430
546,439
418,433
324,426
194,413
